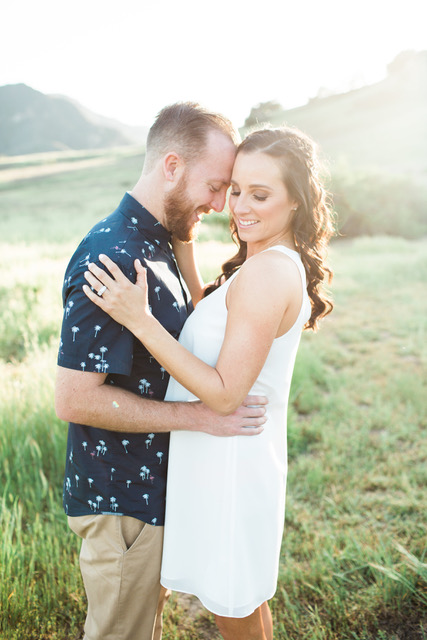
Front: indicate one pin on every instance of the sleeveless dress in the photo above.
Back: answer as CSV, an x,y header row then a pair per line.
x,y
225,503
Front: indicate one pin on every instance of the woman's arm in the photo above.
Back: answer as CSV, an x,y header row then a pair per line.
x,y
257,302
186,259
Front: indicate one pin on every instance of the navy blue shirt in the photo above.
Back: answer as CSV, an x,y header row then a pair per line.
x,y
108,471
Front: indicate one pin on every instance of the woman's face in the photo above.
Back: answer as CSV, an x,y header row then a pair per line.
x,y
259,201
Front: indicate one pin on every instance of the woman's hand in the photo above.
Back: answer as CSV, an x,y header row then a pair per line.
x,y
125,302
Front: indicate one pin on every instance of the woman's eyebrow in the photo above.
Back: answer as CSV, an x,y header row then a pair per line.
x,y
254,186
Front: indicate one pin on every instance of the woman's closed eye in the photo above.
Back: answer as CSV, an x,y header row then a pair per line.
x,y
256,196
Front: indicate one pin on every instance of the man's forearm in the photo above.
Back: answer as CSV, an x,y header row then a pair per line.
x,y
84,398
115,409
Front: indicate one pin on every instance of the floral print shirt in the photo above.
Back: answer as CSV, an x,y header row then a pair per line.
x,y
106,471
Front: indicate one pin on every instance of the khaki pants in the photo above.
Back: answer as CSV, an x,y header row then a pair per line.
x,y
120,564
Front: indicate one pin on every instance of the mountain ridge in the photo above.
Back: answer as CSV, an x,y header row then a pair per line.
x,y
33,122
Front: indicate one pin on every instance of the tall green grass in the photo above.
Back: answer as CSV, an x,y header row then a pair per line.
x,y
353,563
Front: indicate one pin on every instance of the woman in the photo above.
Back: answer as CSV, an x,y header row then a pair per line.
x,y
226,497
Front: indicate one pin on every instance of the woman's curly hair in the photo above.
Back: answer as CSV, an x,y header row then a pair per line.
x,y
312,224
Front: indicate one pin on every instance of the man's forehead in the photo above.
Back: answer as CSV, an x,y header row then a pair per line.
x,y
217,141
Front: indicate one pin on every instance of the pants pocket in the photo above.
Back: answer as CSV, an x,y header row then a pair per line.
x,y
130,531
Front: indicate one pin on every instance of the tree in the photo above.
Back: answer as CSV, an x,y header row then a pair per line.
x,y
264,112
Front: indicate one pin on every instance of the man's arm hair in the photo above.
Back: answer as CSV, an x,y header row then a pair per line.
x,y
84,398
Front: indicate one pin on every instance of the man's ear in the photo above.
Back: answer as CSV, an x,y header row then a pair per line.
x,y
173,166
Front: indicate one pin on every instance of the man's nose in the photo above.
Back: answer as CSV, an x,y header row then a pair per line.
x,y
218,202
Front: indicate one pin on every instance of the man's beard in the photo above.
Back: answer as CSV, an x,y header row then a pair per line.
x,y
179,213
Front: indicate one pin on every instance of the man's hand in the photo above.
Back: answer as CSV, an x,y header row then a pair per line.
x,y
247,420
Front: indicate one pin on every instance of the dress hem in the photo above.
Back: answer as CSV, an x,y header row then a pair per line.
x,y
214,607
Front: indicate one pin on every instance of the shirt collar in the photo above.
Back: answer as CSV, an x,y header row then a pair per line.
x,y
143,220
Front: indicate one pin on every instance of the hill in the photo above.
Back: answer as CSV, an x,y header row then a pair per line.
x,y
32,122
383,125
135,134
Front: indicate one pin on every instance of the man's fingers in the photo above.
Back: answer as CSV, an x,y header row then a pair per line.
x,y
253,422
251,412
248,431
255,400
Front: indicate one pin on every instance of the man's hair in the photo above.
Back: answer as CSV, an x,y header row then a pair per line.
x,y
183,127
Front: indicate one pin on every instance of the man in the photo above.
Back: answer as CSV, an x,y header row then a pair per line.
x,y
110,389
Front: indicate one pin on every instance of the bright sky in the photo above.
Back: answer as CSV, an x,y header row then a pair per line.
x,y
126,59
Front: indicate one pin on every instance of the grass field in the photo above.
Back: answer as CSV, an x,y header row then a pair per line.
x,y
353,563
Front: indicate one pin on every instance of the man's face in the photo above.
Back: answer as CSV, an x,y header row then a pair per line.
x,y
202,187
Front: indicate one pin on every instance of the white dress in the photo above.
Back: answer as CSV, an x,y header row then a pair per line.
x,y
225,502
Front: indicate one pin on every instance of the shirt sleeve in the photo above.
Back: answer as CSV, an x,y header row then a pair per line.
x,y
90,339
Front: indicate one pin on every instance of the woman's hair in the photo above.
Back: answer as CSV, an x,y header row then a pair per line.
x,y
183,127
312,225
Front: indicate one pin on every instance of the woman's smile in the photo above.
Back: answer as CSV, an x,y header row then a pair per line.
x,y
246,223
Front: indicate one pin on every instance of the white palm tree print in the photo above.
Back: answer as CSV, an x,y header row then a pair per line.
x,y
143,472
128,483
84,445
74,330
84,262
144,385
90,481
97,328
99,499
83,365
68,308
103,362
160,454
157,289
125,444
146,496
112,473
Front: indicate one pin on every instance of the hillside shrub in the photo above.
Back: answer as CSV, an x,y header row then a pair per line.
x,y
373,203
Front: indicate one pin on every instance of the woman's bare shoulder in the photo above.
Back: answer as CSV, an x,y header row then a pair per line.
x,y
270,265
269,278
